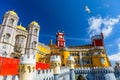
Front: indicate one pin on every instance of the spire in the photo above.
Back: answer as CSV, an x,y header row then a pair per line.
x,y
51,41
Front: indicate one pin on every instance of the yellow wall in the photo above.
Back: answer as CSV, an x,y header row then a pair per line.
x,y
97,61
64,54
43,51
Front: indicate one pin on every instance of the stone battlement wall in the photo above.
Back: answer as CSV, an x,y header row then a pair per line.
x,y
44,74
86,70
9,77
64,69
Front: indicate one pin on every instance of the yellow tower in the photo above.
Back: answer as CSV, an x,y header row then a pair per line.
x,y
100,58
27,67
64,53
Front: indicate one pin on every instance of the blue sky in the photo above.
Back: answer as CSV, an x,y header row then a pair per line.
x,y
71,17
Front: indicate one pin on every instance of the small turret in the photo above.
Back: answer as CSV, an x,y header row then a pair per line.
x,y
55,63
27,67
60,41
70,63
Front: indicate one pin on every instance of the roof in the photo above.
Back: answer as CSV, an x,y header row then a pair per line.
x,y
11,12
34,23
21,27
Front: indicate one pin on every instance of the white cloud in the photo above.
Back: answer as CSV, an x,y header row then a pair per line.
x,y
99,24
115,57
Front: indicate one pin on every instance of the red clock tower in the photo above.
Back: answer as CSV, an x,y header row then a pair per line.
x,y
60,41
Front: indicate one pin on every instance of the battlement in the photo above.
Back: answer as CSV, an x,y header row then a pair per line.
x,y
85,70
25,59
44,74
55,58
70,58
9,77
64,69
47,71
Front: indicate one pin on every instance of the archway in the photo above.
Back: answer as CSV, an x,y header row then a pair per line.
x,y
81,77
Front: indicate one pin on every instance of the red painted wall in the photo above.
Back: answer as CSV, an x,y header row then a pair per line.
x,y
9,66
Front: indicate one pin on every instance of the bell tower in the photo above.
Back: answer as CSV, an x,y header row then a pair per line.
x,y
8,31
60,41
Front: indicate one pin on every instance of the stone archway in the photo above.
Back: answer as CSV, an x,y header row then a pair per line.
x,y
81,77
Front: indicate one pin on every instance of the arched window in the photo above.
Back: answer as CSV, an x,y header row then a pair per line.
x,y
35,31
29,69
34,44
6,37
19,43
11,21
22,69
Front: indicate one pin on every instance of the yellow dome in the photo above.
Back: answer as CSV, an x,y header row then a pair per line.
x,y
21,28
12,12
34,23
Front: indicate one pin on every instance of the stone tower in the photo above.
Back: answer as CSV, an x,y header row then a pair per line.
x,y
7,32
55,63
28,61
60,41
32,40
70,63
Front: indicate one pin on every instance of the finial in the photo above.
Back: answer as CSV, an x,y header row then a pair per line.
x,y
20,23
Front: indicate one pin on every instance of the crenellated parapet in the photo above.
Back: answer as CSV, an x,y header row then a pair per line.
x,y
64,69
9,77
86,70
44,74
25,59
27,67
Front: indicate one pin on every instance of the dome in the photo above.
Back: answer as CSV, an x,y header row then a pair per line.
x,y
21,28
34,23
12,12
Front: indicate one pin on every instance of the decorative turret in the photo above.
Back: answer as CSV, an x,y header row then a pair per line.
x,y
70,63
55,63
27,67
60,41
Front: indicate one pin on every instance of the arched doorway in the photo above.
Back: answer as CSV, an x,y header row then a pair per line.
x,y
81,77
